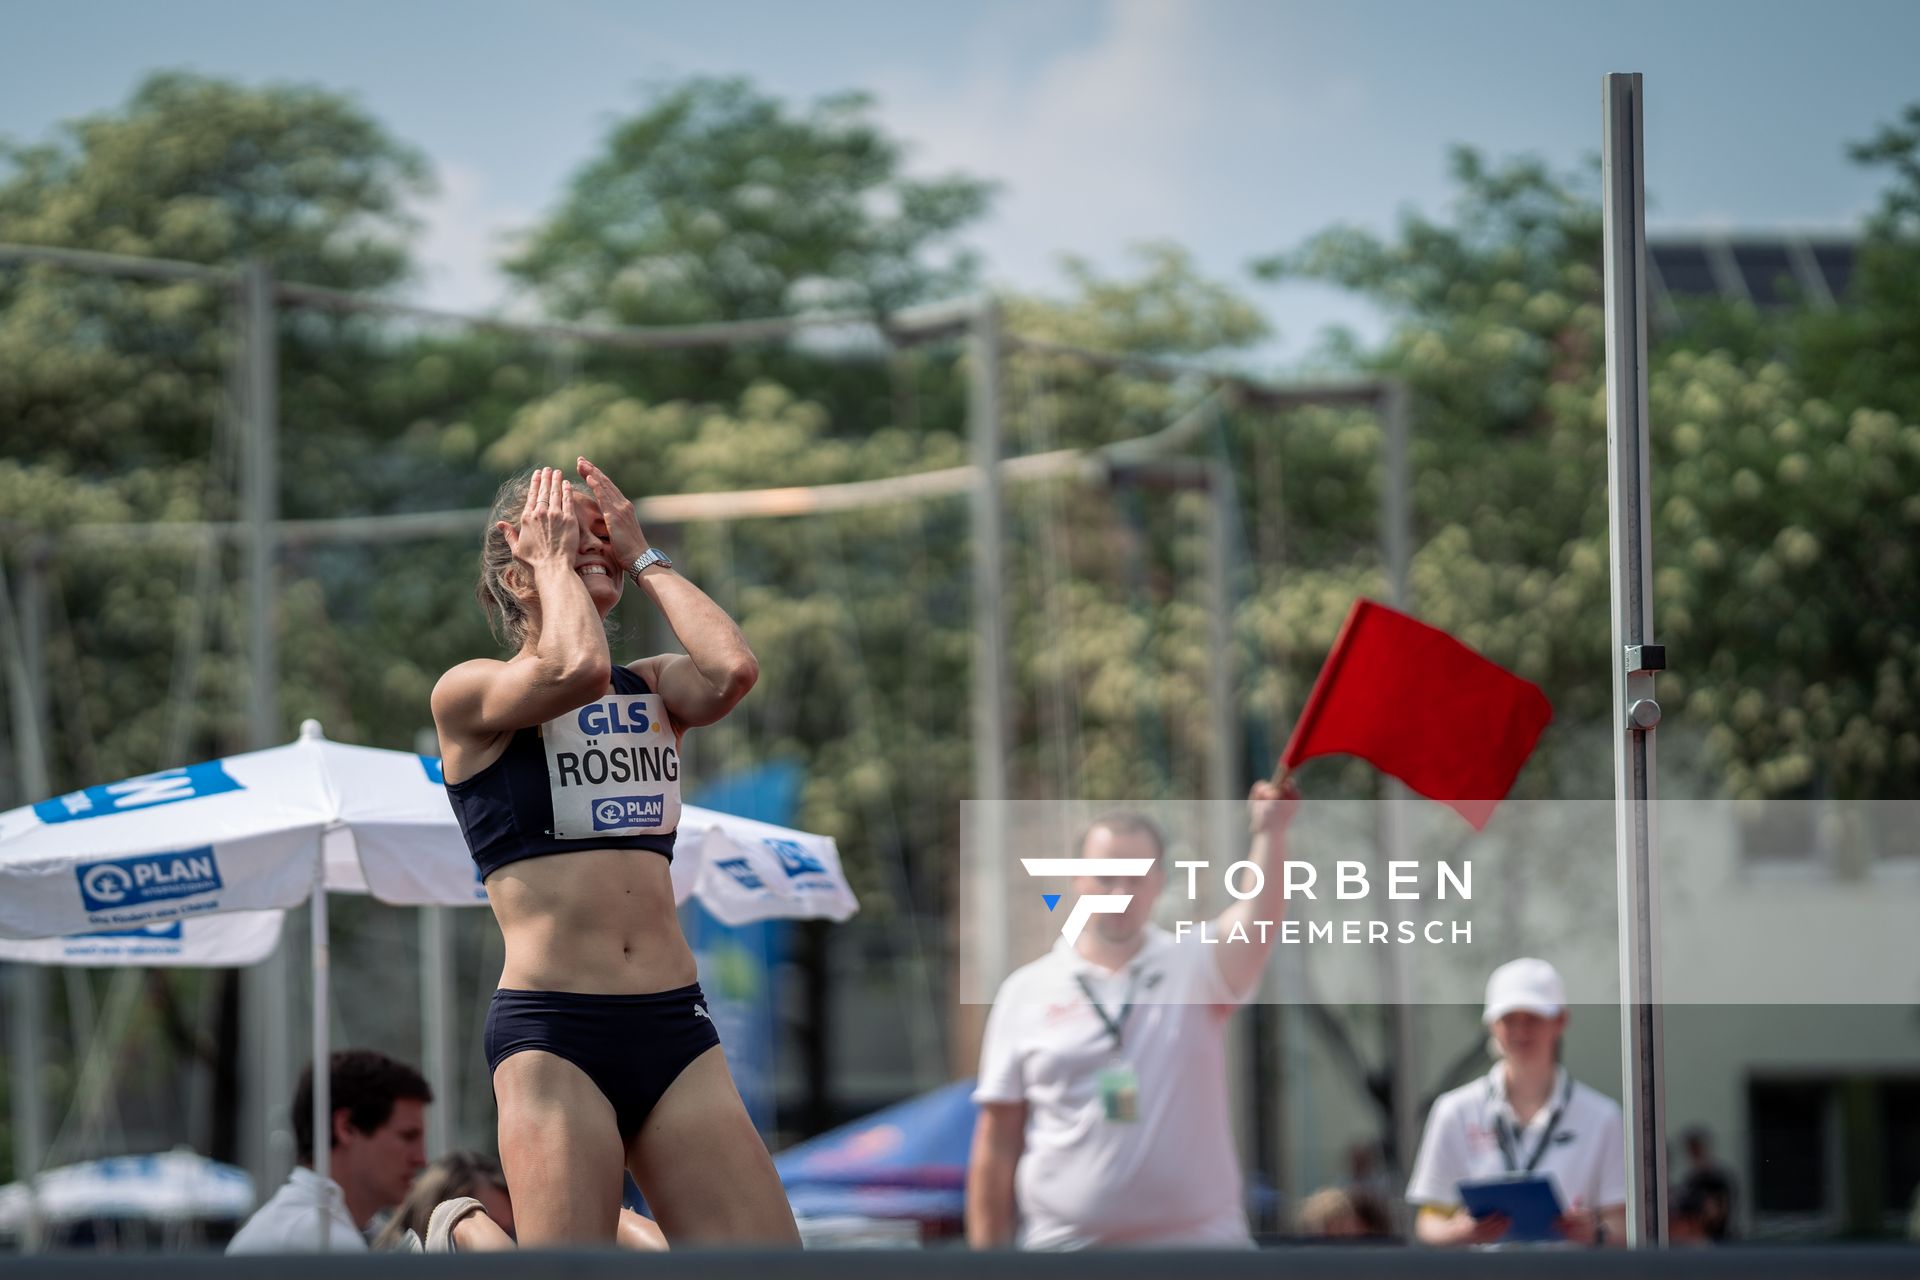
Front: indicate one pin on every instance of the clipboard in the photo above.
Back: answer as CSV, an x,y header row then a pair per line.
x,y
1529,1200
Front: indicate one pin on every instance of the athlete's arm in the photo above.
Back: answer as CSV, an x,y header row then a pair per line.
x,y
999,1140
717,669
1269,810
568,663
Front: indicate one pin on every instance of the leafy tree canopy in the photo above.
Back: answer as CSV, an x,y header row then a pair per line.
x,y
1782,533
207,170
719,202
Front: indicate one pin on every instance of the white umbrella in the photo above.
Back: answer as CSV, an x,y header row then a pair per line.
x,y
745,871
232,939
236,834
166,1187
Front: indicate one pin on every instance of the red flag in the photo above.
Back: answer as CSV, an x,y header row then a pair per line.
x,y
1417,704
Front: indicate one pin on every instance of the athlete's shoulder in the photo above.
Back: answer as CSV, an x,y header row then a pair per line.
x,y
474,666
460,678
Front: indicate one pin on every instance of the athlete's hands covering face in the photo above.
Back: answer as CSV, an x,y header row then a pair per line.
x,y
549,531
623,525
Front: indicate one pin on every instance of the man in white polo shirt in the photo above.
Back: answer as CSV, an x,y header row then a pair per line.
x,y
378,1145
1524,1116
1103,1077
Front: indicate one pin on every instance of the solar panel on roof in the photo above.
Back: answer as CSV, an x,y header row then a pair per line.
x,y
1683,269
1836,264
1768,271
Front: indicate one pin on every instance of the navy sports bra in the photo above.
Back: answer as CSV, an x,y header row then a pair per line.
x,y
602,776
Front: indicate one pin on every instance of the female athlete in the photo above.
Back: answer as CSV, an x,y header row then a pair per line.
x,y
564,771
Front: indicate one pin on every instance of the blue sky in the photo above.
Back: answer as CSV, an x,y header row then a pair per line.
x,y
1234,127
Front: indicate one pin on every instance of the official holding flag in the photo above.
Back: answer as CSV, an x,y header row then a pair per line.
x,y
1103,1073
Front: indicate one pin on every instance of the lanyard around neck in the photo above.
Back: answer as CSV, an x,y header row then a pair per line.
x,y
1509,1139
1115,1025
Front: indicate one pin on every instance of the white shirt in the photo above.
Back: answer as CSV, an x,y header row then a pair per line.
x,y
1171,1177
290,1221
1586,1158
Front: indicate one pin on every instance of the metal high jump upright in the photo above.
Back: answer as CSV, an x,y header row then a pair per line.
x,y
989,854
1635,660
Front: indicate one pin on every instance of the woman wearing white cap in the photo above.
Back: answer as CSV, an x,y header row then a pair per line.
x,y
1526,1116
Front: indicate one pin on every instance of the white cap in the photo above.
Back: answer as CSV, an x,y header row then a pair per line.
x,y
1529,986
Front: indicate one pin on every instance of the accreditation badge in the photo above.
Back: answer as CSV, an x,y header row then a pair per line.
x,y
1119,1093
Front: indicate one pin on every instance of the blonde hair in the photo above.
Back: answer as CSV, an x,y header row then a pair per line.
x,y
1325,1211
459,1173
506,615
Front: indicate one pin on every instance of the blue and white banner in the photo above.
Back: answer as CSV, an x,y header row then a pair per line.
x,y
170,786
230,939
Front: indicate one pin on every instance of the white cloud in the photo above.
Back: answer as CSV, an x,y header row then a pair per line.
x,y
1089,150
462,235
1211,125
1218,126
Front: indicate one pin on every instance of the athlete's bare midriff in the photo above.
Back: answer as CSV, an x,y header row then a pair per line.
x,y
595,921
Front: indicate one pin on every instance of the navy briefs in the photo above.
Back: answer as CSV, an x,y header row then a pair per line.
x,y
631,1046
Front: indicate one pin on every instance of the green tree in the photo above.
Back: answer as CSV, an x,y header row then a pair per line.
x,y
117,395
1105,600
719,202
1866,353
1781,531
106,375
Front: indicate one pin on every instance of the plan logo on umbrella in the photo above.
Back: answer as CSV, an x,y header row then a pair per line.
x,y
151,877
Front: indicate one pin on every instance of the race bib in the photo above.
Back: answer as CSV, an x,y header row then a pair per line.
x,y
613,769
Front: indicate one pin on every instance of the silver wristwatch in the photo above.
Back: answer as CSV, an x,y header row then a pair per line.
x,y
646,560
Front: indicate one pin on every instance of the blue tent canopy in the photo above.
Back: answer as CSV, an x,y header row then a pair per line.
x,y
906,1161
